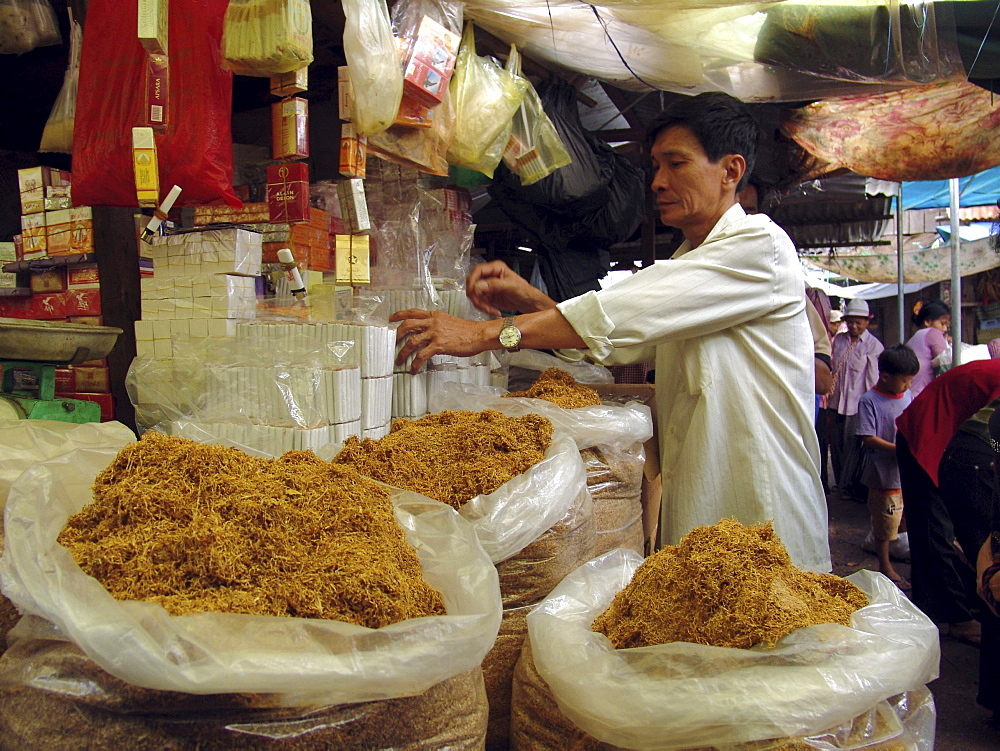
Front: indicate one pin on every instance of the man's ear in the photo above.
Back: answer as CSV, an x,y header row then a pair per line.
x,y
735,166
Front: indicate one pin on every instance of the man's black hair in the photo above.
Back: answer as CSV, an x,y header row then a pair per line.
x,y
898,360
721,123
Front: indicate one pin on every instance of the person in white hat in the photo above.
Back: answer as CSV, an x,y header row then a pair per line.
x,y
855,368
836,323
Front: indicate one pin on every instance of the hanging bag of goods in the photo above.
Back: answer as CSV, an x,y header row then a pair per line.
x,y
194,148
286,585
58,133
485,97
25,25
267,37
720,642
373,66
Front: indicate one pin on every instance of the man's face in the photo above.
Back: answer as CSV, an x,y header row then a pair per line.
x,y
856,325
689,188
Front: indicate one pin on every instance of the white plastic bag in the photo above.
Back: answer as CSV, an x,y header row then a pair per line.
x,y
583,372
25,443
27,24
58,133
681,695
303,660
373,65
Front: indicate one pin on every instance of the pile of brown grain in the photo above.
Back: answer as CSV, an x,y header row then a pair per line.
x,y
451,456
560,388
728,585
200,528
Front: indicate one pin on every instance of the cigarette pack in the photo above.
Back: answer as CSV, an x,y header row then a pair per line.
x,y
93,380
48,306
353,149
286,84
430,63
290,128
58,197
83,276
157,90
152,26
353,206
31,182
83,302
65,381
57,232
288,192
81,237
412,114
33,235
48,280
7,255
351,260
344,95
144,165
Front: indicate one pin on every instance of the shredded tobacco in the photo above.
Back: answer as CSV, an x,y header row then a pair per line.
x,y
451,456
560,388
727,585
201,528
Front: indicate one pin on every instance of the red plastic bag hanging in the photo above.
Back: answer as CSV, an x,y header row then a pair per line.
x,y
195,146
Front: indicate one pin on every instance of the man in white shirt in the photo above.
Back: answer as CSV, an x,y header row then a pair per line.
x,y
725,321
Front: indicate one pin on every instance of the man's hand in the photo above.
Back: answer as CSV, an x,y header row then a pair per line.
x,y
428,333
493,287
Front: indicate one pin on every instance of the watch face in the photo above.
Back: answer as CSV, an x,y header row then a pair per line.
x,y
509,336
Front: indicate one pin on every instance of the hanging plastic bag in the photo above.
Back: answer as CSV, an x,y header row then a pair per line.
x,y
195,150
58,133
25,25
534,149
373,65
267,37
485,97
424,149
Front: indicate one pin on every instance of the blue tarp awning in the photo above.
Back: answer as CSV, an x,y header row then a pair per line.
x,y
981,189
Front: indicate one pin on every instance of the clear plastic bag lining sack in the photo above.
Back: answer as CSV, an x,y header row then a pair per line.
x,y
606,425
195,149
534,150
54,695
485,97
788,52
373,65
58,132
299,661
655,697
904,721
25,443
27,24
267,37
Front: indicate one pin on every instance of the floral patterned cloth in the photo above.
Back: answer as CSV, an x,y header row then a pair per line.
x,y
933,132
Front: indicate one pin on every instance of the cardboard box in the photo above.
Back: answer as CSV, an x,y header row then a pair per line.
x,y
31,183
15,307
430,61
152,25
353,205
290,128
86,320
82,302
287,84
344,94
48,306
82,276
65,382
57,232
81,224
145,167
7,255
92,380
49,280
156,106
352,260
33,235
353,152
58,197
288,192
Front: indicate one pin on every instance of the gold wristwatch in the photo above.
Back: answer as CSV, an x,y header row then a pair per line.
x,y
510,335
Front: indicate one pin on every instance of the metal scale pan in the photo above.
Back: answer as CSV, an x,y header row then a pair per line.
x,y
40,347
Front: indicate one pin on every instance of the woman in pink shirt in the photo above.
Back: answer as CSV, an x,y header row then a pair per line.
x,y
933,320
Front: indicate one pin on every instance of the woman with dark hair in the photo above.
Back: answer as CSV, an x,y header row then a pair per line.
x,y
933,320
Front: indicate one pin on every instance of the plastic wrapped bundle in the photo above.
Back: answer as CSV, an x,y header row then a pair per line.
x,y
26,24
267,37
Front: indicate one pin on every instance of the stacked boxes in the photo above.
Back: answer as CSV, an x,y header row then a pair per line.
x,y
49,225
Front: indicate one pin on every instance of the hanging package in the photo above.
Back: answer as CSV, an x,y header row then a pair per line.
x,y
195,150
267,37
373,66
58,133
26,24
534,149
485,97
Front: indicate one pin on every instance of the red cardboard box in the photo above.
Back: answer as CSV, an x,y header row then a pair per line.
x,y
288,192
65,382
106,401
82,302
48,306
84,276
49,280
15,307
430,63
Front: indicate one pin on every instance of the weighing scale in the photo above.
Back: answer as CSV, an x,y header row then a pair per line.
x,y
30,352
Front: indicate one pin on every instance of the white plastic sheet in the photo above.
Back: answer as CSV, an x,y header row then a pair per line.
x,y
583,372
519,511
682,695
304,660
24,443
